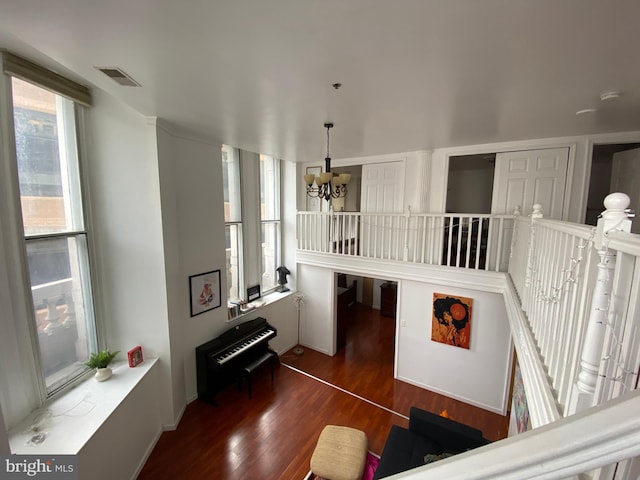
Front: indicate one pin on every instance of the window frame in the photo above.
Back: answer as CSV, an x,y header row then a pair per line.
x,y
238,224
23,328
272,221
252,223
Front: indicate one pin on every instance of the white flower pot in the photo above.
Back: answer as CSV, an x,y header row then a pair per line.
x,y
103,374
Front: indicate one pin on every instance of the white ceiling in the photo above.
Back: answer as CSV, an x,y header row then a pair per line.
x,y
416,74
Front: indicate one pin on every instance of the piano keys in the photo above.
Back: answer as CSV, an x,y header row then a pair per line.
x,y
220,361
251,342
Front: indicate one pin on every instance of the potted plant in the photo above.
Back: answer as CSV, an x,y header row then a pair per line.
x,y
100,361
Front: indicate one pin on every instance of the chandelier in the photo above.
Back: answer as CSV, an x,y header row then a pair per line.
x,y
327,185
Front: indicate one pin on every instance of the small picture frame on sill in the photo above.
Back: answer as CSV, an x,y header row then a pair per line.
x,y
253,293
135,356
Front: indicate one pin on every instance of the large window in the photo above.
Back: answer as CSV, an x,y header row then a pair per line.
x,y
251,184
233,221
55,234
269,220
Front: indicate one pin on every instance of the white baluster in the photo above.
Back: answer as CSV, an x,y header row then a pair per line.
x,y
405,252
535,214
613,218
514,240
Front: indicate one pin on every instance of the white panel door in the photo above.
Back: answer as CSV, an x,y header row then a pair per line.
x,y
382,192
382,187
528,177
625,178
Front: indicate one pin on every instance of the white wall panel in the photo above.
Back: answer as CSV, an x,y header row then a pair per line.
x,y
479,375
130,274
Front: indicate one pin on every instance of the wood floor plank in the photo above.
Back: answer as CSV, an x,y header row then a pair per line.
x,y
365,367
272,435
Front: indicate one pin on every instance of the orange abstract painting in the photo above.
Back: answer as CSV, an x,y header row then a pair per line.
x,y
451,321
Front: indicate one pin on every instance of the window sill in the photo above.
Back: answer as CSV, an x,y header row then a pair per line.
x,y
69,421
255,306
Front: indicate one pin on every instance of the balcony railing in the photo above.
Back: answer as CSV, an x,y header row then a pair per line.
x,y
476,241
572,296
61,338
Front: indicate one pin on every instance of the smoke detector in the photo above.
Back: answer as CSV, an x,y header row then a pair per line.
x,y
117,75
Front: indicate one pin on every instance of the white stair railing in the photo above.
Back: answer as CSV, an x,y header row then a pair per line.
x,y
571,446
558,282
603,317
573,302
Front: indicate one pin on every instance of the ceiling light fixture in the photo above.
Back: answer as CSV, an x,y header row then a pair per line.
x,y
609,96
327,185
586,110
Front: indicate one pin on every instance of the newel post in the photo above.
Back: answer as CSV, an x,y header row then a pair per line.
x,y
613,218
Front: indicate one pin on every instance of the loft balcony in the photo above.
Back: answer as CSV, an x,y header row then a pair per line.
x,y
475,241
571,294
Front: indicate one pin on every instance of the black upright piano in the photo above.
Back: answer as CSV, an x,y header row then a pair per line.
x,y
219,361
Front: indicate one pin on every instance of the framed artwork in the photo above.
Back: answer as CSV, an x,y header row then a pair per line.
x,y
204,292
313,203
253,293
523,421
135,356
451,320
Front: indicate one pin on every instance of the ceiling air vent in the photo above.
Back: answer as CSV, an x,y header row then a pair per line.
x,y
118,76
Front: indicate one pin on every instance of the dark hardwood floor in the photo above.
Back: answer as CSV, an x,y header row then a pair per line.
x,y
272,435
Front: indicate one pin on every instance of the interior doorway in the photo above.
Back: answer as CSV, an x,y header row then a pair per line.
x,y
600,179
470,183
355,294
351,201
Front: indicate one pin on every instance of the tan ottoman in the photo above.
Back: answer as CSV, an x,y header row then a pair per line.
x,y
340,453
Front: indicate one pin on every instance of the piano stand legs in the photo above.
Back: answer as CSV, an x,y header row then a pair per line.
x,y
269,356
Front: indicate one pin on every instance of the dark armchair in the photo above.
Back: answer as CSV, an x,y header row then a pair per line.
x,y
428,433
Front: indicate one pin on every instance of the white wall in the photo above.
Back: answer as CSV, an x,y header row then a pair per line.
x,y
194,242
479,375
288,207
120,446
167,154
417,174
194,225
130,276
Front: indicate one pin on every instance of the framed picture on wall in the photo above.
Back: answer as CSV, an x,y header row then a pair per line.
x,y
313,203
204,292
451,320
